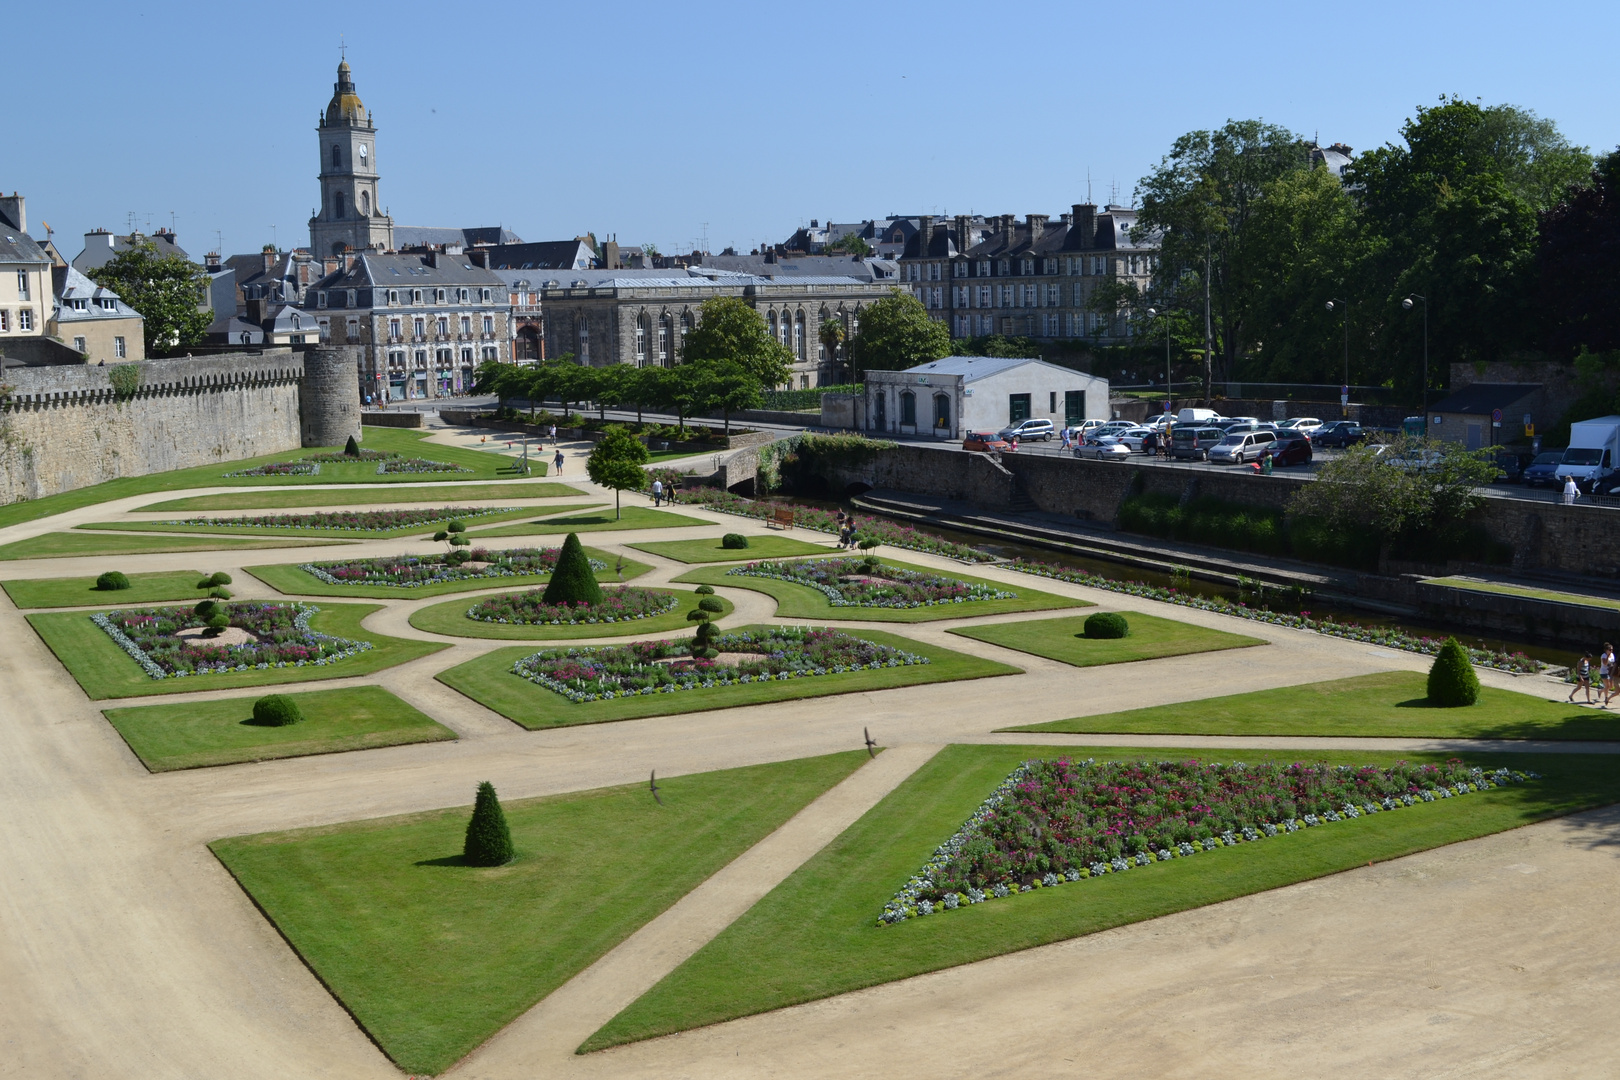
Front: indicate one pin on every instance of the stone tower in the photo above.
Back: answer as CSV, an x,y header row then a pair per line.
x,y
329,397
350,215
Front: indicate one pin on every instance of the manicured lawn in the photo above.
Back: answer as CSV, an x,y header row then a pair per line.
x,y
794,601
193,734
1392,704
433,957
451,618
708,550
438,494
1505,589
1064,640
632,517
426,529
66,545
292,581
815,935
403,440
82,591
489,680
106,671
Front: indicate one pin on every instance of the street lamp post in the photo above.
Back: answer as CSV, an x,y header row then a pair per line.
x,y
1407,305
1152,314
1344,403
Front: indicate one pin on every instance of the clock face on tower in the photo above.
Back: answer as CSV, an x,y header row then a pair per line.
x,y
363,153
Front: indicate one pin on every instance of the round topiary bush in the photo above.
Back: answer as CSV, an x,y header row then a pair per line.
x,y
711,604
1107,624
733,541
1452,682
205,608
277,710
220,594
572,581
217,622
704,590
221,578
112,581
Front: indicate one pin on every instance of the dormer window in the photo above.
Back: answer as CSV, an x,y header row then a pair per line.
x,y
483,295
463,294
393,297
351,298
320,298
1026,267
81,305
438,296
1002,268
416,296
109,303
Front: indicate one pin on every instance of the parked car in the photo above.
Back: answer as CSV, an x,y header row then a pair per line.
x,y
1240,446
1028,431
983,441
1509,466
1307,424
1238,423
1114,427
1340,433
1290,447
1542,471
1103,448
1192,442
1133,437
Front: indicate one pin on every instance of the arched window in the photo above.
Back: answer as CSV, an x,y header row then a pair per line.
x,y
787,330
337,204
666,329
798,336
942,411
337,157
365,204
908,409
770,320
643,325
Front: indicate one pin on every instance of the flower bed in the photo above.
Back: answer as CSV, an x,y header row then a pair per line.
x,y
1055,822
887,532
347,520
1518,663
845,583
150,637
603,674
622,604
414,571
338,457
281,468
397,464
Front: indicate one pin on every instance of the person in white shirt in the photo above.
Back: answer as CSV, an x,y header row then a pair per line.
x,y
658,491
1571,492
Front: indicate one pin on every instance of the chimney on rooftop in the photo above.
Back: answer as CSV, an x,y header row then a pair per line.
x,y
479,257
962,241
1085,219
348,258
925,235
1037,225
14,211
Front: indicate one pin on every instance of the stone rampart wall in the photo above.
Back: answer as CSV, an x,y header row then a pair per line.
x,y
66,428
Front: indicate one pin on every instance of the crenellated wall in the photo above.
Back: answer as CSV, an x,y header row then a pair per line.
x,y
66,427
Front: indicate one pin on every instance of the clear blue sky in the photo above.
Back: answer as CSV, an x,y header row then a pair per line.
x,y
649,120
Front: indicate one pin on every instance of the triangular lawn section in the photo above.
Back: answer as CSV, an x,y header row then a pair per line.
x,y
432,957
816,934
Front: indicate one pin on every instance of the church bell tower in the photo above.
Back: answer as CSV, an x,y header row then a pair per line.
x,y
349,215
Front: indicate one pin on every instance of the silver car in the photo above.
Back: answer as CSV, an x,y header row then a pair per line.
x,y
1240,447
1105,448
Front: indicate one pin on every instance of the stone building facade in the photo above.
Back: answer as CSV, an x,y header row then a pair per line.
x,y
606,317
1027,279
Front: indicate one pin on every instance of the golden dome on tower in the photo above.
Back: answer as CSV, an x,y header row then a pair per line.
x,y
345,104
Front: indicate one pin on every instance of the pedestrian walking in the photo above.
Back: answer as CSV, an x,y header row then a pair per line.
x,y
658,492
1571,492
1583,679
558,461
553,432
1064,445
1015,442
1607,673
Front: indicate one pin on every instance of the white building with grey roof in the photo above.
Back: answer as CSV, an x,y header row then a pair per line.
x,y
957,394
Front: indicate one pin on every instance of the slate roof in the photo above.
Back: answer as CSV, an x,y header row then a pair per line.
x,y
806,266
70,285
1481,398
101,254
972,368
19,247
540,255
425,235
407,271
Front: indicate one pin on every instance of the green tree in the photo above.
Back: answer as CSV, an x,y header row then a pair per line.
x,y
832,333
165,290
616,462
572,580
729,330
849,244
1452,682
489,840
896,333
729,388
1579,261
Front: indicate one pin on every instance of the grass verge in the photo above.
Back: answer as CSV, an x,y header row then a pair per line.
x,y
708,550
1390,704
297,530
292,581
1505,589
814,935
1064,640
82,591
632,517
438,494
106,671
451,618
195,734
405,441
489,681
433,957
67,545
802,602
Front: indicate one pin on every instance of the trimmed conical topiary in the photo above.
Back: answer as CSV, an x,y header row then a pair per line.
x,y
352,447
572,582
489,841
1452,682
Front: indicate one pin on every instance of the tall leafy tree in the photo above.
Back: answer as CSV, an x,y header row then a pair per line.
x,y
164,289
832,334
729,329
616,462
1579,264
728,387
896,333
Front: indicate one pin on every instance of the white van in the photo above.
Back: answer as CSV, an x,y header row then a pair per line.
x,y
1197,416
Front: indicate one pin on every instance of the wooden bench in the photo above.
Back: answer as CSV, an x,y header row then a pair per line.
x,y
781,518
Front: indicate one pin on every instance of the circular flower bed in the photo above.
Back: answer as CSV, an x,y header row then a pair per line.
x,y
414,571
860,583
779,654
622,604
271,636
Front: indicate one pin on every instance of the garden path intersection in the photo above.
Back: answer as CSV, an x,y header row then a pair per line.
x,y
126,949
